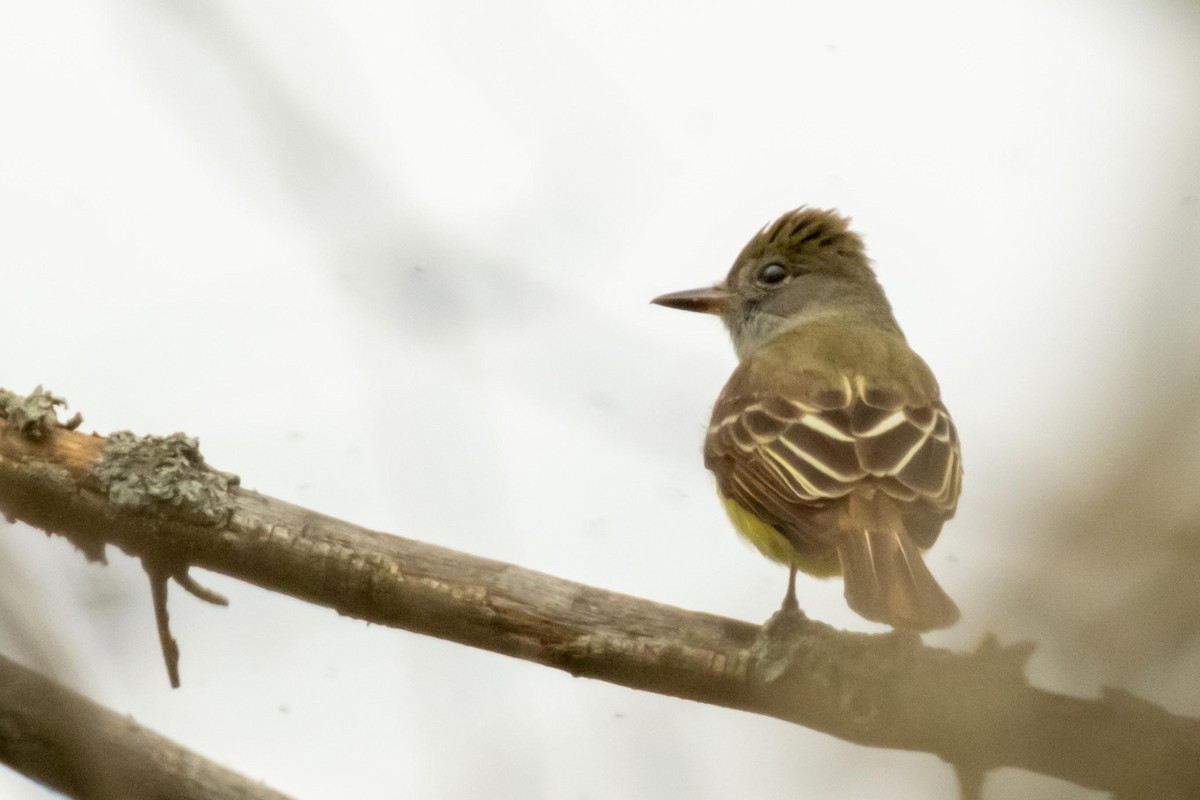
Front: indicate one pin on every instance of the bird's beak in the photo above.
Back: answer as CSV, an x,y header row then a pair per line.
x,y
709,300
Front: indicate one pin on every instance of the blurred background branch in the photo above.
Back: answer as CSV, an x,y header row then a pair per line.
x,y
72,745
1114,576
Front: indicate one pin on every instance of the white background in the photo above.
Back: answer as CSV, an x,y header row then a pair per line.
x,y
392,261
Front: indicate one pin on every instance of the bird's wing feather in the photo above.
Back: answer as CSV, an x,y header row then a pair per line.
x,y
783,458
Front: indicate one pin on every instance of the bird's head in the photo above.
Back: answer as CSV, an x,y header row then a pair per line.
x,y
805,266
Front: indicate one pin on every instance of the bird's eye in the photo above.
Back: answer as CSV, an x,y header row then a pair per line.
x,y
772,274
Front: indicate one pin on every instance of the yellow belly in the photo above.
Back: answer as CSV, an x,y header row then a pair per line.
x,y
775,546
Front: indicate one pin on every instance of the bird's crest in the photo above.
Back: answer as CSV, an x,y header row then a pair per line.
x,y
807,230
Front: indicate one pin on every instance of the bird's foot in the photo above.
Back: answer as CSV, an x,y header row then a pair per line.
x,y
780,641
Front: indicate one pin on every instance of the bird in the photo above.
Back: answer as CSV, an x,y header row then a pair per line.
x,y
832,450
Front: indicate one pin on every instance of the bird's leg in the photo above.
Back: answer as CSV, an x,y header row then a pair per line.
x,y
789,599
781,636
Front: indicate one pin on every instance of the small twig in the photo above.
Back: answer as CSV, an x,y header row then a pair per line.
x,y
160,577
159,580
188,583
970,782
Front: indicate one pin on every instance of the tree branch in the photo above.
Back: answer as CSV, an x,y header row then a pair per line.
x,y
974,710
69,743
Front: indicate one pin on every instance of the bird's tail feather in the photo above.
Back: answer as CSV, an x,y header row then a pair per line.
x,y
886,578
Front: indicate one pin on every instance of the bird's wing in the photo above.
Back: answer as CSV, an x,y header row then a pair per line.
x,y
783,457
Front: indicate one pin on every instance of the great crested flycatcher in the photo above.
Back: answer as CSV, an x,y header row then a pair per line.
x,y
832,450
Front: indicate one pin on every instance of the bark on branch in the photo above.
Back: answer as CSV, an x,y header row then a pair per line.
x,y
975,710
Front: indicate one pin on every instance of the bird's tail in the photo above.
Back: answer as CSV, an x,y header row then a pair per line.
x,y
886,578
